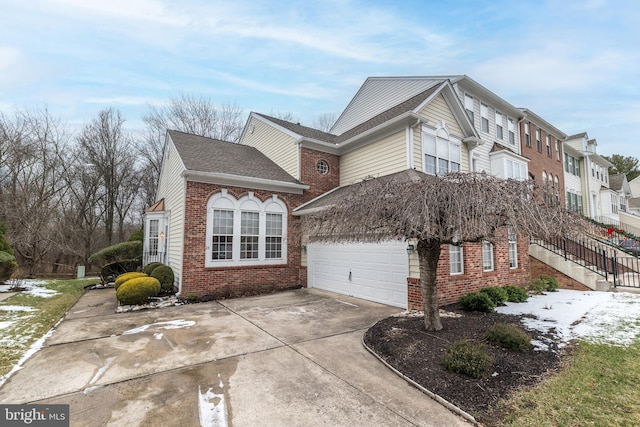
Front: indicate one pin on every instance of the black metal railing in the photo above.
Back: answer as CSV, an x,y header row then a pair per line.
x,y
595,256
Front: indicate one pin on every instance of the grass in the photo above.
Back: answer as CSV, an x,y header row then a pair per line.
x,y
27,327
597,387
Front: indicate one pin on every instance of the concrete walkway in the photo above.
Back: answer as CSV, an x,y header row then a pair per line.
x,y
293,358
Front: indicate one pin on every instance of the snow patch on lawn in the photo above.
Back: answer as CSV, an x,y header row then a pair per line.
x,y
603,317
16,308
32,287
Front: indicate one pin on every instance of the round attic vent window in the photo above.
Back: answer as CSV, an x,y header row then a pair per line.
x,y
322,167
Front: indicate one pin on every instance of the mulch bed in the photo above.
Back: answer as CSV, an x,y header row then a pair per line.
x,y
404,343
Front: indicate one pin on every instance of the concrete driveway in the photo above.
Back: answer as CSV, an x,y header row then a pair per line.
x,y
292,358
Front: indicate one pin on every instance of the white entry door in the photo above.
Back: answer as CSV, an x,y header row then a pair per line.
x,y
372,271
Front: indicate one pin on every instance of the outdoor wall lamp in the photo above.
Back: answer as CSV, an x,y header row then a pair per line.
x,y
410,249
162,235
304,248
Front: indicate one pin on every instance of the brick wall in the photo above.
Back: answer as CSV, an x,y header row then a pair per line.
x,y
235,281
309,174
538,268
452,287
539,161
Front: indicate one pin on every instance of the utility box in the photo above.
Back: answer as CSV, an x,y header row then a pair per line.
x,y
80,274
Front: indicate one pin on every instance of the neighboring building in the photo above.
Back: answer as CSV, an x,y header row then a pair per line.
x,y
618,194
586,176
230,211
541,143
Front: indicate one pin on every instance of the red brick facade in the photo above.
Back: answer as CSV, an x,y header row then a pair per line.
x,y
230,282
538,268
539,160
452,287
309,174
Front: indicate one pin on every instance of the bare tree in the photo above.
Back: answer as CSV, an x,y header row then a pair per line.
x,y
324,122
34,165
105,146
434,211
186,113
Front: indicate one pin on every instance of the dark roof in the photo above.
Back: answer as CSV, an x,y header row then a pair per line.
x,y
331,197
404,107
202,154
305,131
616,181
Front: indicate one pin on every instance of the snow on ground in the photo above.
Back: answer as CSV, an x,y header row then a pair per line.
x,y
602,317
172,324
32,287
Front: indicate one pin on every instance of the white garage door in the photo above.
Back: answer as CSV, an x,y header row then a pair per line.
x,y
375,272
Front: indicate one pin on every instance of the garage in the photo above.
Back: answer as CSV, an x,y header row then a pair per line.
x,y
375,272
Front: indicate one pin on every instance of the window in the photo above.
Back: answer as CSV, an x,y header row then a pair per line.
x,y
623,204
516,170
456,263
274,236
484,118
544,186
487,256
614,204
557,150
512,131
548,140
468,106
574,202
513,247
498,125
222,239
572,165
441,155
527,136
322,167
556,190
538,141
153,237
245,231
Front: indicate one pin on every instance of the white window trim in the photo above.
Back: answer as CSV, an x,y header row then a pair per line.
x,y
223,200
513,244
440,132
498,118
484,115
451,271
489,252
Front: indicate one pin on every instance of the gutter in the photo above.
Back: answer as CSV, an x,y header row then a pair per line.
x,y
244,181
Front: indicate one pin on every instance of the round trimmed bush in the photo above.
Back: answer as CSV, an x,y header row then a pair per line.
x,y
464,357
551,283
127,276
165,276
138,290
516,294
148,269
477,301
508,336
498,295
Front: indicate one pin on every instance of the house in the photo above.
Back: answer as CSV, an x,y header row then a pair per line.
x,y
541,143
586,177
227,216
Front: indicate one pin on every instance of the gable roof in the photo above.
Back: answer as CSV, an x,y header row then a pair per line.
x,y
404,112
616,181
215,157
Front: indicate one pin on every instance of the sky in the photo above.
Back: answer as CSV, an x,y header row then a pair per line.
x,y
574,63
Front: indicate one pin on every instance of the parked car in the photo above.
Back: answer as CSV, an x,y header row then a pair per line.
x,y
630,245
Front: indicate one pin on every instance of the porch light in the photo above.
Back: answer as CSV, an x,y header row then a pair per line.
x,y
411,249
161,235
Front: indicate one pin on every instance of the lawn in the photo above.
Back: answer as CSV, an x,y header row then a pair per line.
x,y
27,316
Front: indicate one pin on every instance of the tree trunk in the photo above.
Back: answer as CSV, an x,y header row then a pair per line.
x,y
429,254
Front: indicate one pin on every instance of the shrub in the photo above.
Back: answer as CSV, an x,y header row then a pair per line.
x,y
551,283
148,269
516,294
165,276
544,284
136,236
127,276
508,336
477,301
8,265
4,243
120,252
110,271
498,295
464,357
138,290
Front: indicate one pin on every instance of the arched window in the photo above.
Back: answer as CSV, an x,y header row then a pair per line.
x,y
545,191
245,231
442,152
